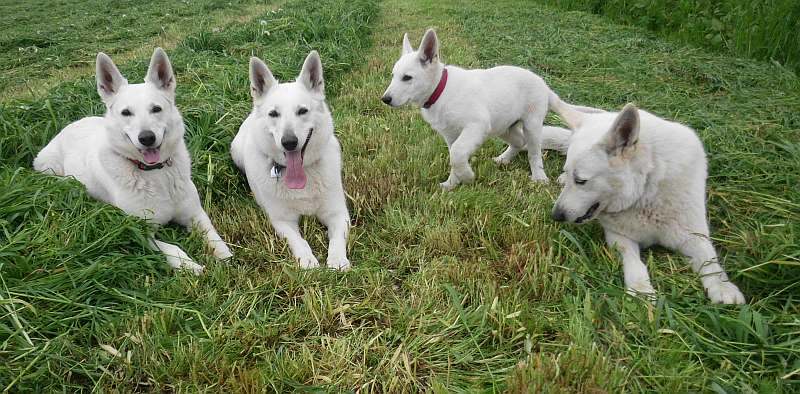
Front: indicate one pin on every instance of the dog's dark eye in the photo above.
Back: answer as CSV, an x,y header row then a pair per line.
x,y
156,109
273,114
302,111
579,181
126,112
406,78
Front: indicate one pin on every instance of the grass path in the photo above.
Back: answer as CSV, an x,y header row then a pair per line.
x,y
472,290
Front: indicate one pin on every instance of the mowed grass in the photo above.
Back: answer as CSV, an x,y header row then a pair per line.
x,y
472,290
58,39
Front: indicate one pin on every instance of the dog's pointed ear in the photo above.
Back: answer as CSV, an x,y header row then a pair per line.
x,y
407,48
160,74
109,79
429,48
311,74
624,133
261,79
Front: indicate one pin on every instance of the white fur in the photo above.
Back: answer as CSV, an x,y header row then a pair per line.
x,y
95,150
258,145
647,176
506,102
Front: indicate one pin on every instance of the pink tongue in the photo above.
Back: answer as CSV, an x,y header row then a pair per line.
x,y
295,175
152,156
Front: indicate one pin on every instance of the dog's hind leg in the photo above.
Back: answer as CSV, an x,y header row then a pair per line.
x,y
176,257
704,261
532,126
461,150
288,229
50,160
516,143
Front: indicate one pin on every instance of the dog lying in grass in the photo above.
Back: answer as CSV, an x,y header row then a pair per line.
x,y
134,157
644,179
292,159
466,107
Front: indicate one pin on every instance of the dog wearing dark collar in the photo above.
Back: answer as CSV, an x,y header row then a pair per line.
x,y
134,157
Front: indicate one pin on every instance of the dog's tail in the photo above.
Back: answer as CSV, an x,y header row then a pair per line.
x,y
555,138
572,115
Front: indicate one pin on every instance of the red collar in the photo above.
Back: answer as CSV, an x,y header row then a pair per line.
x,y
438,91
148,167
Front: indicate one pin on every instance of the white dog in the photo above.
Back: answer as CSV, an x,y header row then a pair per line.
x,y
468,106
644,179
134,157
292,160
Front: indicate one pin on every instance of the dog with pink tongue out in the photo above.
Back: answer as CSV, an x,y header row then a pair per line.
x,y
292,160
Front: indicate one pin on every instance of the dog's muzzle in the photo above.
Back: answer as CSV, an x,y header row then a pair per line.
x,y
589,213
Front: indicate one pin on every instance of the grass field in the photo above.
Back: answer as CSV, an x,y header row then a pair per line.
x,y
471,290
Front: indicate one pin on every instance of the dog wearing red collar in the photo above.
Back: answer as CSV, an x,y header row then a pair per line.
x,y
466,107
134,157
292,160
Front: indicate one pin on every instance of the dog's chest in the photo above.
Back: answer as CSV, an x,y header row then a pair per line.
x,y
307,200
154,195
647,223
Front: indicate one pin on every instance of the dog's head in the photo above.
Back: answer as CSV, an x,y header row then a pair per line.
x,y
292,116
605,170
142,121
416,73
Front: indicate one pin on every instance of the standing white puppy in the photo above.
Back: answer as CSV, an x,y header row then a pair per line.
x,y
467,107
134,157
644,179
292,160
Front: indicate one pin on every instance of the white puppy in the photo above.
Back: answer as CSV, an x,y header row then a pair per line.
x,y
467,107
134,157
292,160
644,179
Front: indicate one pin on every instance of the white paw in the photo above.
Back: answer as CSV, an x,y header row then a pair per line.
x,y
725,293
340,263
502,160
308,261
448,185
539,177
185,263
642,288
221,252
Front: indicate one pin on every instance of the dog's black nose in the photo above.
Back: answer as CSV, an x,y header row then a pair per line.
x,y
386,99
147,138
558,215
289,142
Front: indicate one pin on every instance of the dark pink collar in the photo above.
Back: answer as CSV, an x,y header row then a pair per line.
x,y
150,167
438,91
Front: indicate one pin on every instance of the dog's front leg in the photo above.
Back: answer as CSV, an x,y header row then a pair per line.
x,y
289,230
637,279
338,227
470,139
195,216
176,257
704,261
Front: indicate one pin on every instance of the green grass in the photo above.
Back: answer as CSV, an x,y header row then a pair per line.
x,y
763,29
473,290
49,38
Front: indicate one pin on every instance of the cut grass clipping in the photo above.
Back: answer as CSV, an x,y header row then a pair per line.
x,y
473,290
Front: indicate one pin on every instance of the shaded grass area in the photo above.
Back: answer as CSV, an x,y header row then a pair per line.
x,y
43,37
763,29
473,290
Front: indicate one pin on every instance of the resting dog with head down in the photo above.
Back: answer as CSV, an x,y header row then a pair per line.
x,y
292,160
466,107
643,178
134,157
